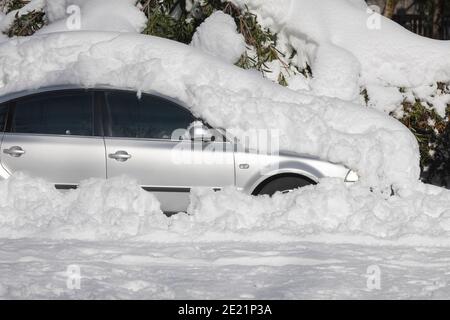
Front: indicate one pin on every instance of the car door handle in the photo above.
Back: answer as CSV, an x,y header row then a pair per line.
x,y
120,156
14,151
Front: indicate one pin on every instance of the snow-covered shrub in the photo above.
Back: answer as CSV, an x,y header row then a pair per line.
x,y
22,18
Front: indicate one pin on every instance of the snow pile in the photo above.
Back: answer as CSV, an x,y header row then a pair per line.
x,y
217,36
328,208
119,209
381,149
99,209
350,46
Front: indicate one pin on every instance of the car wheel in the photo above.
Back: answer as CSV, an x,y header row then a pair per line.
x,y
284,184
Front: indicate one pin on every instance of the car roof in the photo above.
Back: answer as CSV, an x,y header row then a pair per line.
x,y
24,93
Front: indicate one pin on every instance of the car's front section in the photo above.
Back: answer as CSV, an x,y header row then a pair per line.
x,y
253,169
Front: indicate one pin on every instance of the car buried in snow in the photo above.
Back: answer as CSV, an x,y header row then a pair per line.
x,y
67,134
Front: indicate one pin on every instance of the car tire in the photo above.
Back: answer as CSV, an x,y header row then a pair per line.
x,y
283,184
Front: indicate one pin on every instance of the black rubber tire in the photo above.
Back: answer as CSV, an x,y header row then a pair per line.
x,y
283,184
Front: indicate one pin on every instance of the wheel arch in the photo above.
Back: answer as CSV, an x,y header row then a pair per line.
x,y
264,182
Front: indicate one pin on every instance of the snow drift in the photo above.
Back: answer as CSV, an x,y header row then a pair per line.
x,y
99,209
119,209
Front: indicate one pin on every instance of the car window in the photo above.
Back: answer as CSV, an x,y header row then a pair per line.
x,y
3,113
148,117
59,113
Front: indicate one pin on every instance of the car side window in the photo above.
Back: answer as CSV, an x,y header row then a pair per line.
x,y
149,116
59,113
3,114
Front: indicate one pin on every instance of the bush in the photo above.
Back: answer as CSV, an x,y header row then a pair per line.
x,y
24,25
433,134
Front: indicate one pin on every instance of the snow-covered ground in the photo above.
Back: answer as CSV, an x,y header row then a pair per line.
x,y
34,269
110,240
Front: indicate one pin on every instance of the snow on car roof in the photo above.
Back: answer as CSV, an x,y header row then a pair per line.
x,y
381,149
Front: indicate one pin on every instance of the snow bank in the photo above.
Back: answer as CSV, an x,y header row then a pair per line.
x,y
99,209
217,36
119,209
330,207
381,149
350,46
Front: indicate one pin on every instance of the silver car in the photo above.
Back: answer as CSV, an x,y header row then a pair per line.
x,y
68,134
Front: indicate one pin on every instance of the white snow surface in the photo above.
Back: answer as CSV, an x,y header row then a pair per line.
x,y
100,15
119,209
319,242
43,269
350,46
218,36
379,148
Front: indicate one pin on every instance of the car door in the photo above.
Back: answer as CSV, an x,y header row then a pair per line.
x,y
143,138
52,135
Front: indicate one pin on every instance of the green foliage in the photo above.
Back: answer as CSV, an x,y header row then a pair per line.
x,y
27,24
433,134
263,41
170,19
24,25
419,119
12,5
439,169
163,22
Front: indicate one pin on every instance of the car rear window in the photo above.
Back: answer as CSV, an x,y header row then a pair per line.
x,y
60,113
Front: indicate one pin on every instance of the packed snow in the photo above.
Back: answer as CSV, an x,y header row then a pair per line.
x,y
119,209
109,240
45,269
106,209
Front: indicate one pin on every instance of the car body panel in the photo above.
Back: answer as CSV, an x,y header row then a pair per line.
x,y
262,167
63,160
170,169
